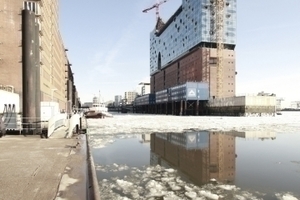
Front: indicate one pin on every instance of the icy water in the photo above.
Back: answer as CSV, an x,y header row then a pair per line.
x,y
198,165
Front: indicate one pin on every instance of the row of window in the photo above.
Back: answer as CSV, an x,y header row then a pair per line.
x,y
32,6
177,40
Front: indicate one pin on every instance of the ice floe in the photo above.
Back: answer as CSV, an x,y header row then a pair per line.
x,y
156,182
288,122
150,183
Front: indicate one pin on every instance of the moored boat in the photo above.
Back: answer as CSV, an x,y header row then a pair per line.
x,y
93,114
98,110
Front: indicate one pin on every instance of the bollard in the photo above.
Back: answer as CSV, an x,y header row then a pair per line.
x,y
77,128
80,123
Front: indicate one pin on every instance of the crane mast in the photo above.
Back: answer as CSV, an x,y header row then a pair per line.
x,y
219,7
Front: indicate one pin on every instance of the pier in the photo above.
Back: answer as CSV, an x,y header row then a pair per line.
x,y
47,168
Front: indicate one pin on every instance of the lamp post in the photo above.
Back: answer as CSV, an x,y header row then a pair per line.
x,y
52,91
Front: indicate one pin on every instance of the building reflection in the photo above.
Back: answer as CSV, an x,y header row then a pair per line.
x,y
200,156
255,135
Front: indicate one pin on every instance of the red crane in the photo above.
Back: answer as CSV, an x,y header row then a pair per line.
x,y
156,6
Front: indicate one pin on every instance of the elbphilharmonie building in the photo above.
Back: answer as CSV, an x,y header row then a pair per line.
x,y
184,48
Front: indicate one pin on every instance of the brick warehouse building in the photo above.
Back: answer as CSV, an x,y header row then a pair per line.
x,y
56,77
184,48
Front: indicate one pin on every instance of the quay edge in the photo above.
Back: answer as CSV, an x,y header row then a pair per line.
x,y
93,186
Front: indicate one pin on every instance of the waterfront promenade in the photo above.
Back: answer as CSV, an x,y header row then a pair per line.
x,y
36,168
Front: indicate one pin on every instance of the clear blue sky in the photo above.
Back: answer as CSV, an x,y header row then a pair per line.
x,y
108,42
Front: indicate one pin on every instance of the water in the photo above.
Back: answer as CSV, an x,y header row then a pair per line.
x,y
262,165
129,152
269,165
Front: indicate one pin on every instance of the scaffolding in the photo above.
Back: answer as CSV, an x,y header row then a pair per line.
x,y
205,65
220,46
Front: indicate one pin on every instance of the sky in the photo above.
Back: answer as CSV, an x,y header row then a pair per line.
x,y
108,43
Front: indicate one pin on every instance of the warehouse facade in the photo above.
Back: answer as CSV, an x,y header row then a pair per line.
x,y
56,77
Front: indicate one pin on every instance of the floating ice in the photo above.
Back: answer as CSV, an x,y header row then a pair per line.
x,y
286,197
187,188
239,197
208,194
155,188
170,170
173,186
157,181
124,184
191,194
171,196
227,187
141,185
167,179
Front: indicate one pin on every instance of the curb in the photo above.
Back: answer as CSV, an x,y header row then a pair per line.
x,y
93,186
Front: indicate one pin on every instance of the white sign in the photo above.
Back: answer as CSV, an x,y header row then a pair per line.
x,y
192,138
191,93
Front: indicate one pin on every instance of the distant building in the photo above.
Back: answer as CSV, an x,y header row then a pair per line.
x,y
96,100
130,97
118,100
145,88
279,104
295,105
87,104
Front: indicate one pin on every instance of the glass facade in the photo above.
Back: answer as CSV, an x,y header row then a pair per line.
x,y
192,23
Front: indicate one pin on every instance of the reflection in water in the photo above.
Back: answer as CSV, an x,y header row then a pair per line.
x,y
255,135
123,167
201,156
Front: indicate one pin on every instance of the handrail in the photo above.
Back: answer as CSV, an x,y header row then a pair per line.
x,y
12,121
55,122
74,121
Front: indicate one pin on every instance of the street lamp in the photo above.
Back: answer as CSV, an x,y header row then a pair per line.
x,y
52,91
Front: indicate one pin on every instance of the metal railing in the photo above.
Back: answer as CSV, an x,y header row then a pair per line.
x,y
56,122
29,125
74,123
13,122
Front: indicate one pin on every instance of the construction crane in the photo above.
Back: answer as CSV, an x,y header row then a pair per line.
x,y
219,8
216,21
156,6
